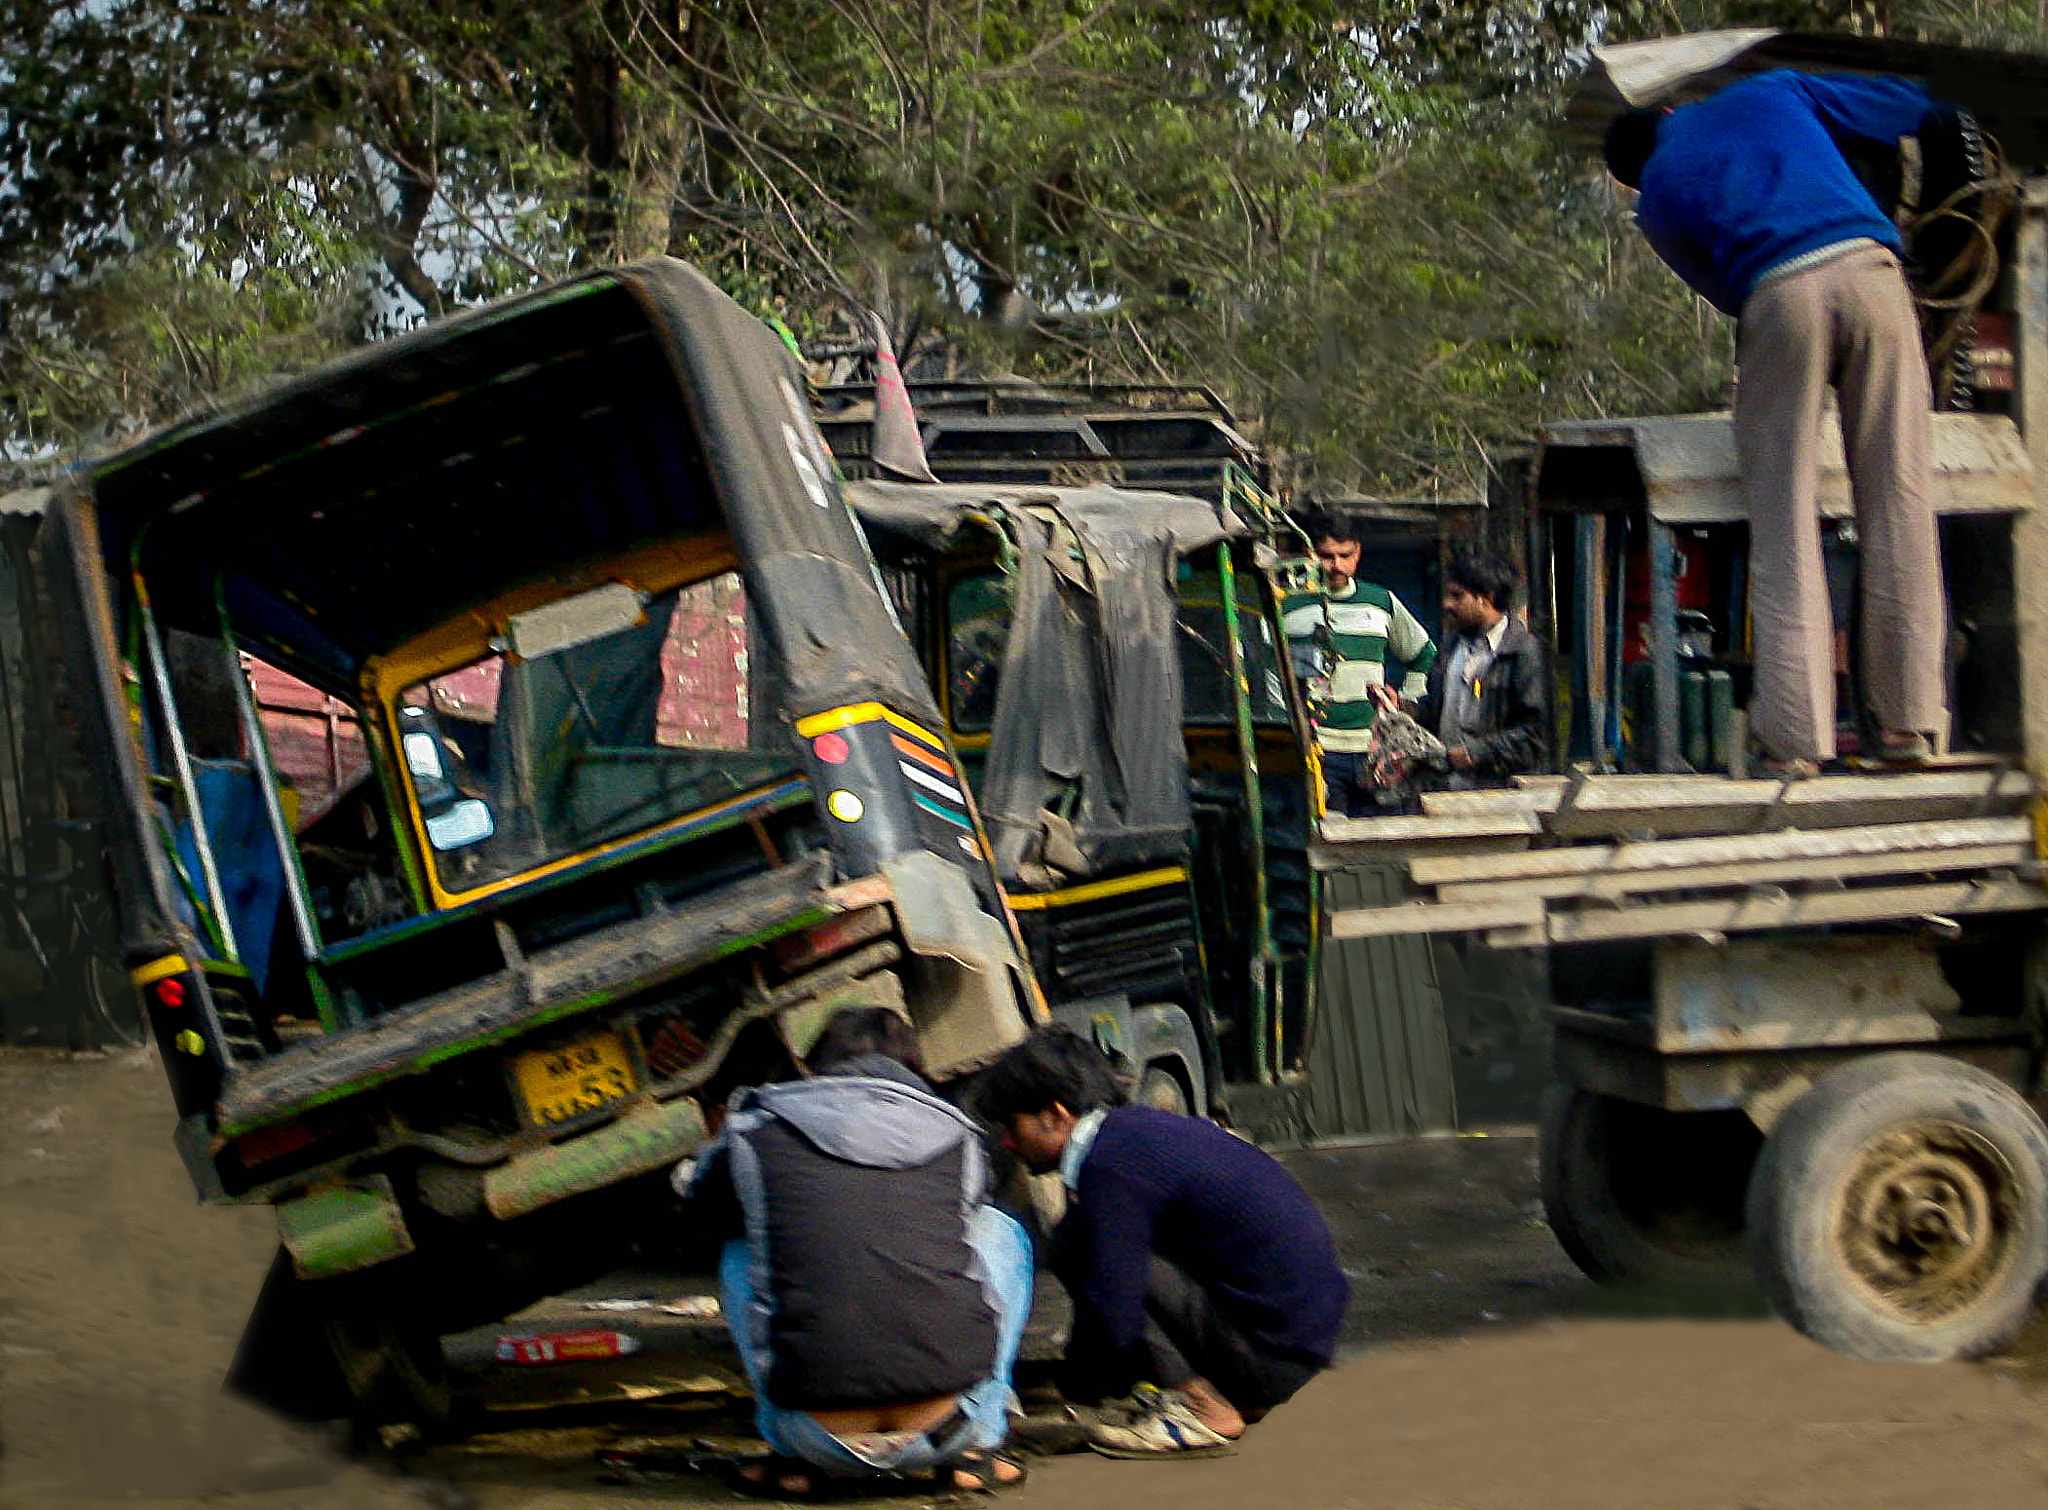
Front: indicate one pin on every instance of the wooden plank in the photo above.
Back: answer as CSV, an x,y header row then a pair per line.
x,y
1409,830
1780,844
1748,914
1612,886
1432,917
1328,857
1669,795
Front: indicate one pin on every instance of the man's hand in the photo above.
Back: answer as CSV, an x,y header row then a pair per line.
x,y
1460,757
1384,696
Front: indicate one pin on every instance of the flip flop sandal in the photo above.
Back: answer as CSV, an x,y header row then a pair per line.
x,y
762,1478
985,1465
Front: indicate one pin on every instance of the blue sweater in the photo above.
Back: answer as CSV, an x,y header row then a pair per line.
x,y
1754,175
1217,1208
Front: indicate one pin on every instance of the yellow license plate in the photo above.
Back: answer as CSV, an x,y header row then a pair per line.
x,y
562,1083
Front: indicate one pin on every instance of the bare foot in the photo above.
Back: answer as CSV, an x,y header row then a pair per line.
x,y
985,1472
1211,1409
783,1473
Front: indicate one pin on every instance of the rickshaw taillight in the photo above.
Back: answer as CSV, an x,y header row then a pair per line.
x,y
849,930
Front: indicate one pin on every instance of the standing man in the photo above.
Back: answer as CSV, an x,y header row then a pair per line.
x,y
1203,1279
1747,195
875,1297
1488,700
1363,622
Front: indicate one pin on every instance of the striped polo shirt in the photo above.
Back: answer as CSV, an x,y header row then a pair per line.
x,y
1366,622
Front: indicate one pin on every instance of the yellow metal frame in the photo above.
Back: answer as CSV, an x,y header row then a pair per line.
x,y
865,713
1096,891
467,638
156,970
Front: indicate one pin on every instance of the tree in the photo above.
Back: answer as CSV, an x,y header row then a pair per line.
x,y
1355,219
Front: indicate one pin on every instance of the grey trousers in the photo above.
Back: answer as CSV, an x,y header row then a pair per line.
x,y
1849,324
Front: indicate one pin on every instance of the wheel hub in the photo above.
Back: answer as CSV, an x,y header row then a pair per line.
x,y
1927,1218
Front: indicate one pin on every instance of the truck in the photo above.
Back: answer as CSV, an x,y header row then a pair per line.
x,y
1800,1025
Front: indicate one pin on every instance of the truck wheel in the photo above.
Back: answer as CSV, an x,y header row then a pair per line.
x,y
1161,1090
1643,1197
393,1368
1900,1210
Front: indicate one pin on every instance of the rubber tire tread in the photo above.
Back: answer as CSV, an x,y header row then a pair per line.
x,y
1811,1150
1572,1166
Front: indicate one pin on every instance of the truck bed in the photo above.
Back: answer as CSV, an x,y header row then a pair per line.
x,y
1586,858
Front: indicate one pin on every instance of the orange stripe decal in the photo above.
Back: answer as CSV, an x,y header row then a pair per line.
x,y
919,753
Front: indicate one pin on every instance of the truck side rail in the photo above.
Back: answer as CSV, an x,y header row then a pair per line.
x,y
1594,858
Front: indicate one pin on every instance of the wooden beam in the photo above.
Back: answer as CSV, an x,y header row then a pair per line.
x,y
1632,794
1749,914
1612,886
1615,886
1376,831
1780,844
1431,917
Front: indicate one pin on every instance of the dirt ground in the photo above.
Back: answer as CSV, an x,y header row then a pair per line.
x,y
1481,1372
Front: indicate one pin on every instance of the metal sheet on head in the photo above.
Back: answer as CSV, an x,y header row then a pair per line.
x,y
2007,91
1642,73
1687,467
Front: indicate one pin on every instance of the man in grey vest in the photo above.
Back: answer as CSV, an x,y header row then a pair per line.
x,y
877,1300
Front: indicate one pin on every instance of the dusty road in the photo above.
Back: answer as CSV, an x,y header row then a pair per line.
x,y
1482,1373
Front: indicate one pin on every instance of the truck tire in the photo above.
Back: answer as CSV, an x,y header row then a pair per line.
x,y
392,1366
1900,1210
1646,1198
1160,1089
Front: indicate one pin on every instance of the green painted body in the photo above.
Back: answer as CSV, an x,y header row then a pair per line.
x,y
339,1229
636,1144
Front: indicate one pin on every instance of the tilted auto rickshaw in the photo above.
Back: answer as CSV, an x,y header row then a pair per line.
x,y
637,778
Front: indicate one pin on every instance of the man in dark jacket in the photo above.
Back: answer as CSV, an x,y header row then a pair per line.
x,y
877,1300
1488,697
1202,1276
1750,197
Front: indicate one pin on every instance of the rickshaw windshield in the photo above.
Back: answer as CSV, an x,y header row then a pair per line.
x,y
516,762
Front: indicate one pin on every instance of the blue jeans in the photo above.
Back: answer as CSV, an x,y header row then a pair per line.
x,y
1005,1254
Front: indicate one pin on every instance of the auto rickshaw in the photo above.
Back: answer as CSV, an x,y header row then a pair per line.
x,y
634,779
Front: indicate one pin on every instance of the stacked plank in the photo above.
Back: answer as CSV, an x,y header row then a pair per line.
x,y
1593,858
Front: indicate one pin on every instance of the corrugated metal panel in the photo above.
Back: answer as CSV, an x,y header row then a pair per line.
x,y
1381,1062
1686,463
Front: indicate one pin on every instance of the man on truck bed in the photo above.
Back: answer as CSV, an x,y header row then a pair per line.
x,y
1748,196
1364,623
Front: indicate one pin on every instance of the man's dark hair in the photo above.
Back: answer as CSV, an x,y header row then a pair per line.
x,y
1053,1065
1329,524
1631,138
857,1032
1484,576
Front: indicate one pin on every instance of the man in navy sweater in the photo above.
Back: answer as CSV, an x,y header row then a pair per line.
x,y
1203,1279
1749,196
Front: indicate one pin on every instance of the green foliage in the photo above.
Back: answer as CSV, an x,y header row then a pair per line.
x,y
1357,220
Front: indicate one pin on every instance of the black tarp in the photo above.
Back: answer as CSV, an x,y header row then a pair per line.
x,y
350,510
1087,767
377,497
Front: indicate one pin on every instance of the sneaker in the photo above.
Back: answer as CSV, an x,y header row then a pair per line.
x,y
1166,1427
1904,747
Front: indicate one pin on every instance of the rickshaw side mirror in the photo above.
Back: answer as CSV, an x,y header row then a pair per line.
x,y
464,823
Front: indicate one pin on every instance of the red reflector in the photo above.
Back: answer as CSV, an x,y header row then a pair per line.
x,y
831,748
800,951
171,992
273,1143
